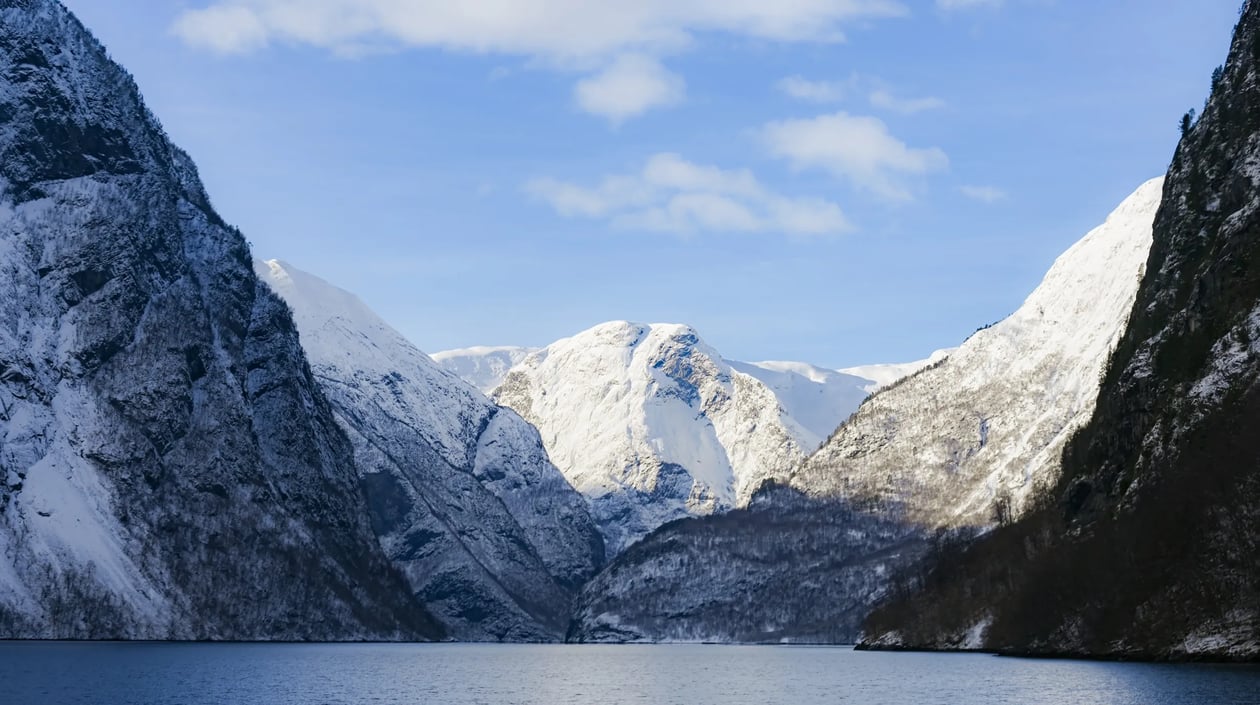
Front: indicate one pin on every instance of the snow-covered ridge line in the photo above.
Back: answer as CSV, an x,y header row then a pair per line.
x,y
972,437
468,506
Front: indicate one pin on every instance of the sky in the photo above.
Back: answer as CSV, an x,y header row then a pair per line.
x,y
835,181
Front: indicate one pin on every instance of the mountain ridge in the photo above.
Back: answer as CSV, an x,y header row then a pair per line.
x,y
462,495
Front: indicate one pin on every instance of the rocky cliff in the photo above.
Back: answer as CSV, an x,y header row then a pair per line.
x,y
168,465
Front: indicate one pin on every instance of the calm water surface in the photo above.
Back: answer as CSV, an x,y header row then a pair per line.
x,y
224,674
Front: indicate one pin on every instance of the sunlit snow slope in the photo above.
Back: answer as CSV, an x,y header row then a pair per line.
x,y
969,438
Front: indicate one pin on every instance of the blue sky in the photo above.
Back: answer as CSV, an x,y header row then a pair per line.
x,y
835,181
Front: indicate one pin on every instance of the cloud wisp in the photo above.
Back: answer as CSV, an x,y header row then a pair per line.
x,y
983,194
670,194
802,88
951,5
885,100
859,149
632,85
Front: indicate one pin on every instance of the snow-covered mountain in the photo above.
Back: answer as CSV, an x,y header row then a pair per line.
x,y
168,466
973,436
489,534
651,424
483,366
964,442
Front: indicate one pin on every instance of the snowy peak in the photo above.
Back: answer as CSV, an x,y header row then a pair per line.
x,y
651,424
482,366
971,438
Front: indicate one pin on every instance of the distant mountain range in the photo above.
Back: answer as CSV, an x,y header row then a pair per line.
x,y
652,424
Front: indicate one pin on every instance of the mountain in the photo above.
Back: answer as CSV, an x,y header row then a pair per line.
x,y
169,468
954,448
971,438
487,531
651,424
483,366
1146,545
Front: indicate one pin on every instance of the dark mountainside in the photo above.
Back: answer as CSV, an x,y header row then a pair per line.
x,y
1148,545
169,467
724,578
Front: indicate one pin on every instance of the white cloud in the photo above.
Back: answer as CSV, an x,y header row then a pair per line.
x,y
856,148
984,194
906,106
967,4
813,91
671,194
225,29
535,28
630,86
581,35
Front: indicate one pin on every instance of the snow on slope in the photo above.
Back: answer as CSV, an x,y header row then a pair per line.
x,y
341,335
483,366
968,440
488,532
816,399
651,424
883,375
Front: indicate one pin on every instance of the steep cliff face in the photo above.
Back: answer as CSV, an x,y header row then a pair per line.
x,y
168,467
956,447
486,530
1147,545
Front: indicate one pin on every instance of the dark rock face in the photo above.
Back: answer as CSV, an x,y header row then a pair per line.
x,y
1148,545
168,466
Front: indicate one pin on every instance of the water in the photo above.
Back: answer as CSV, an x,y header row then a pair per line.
x,y
263,674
